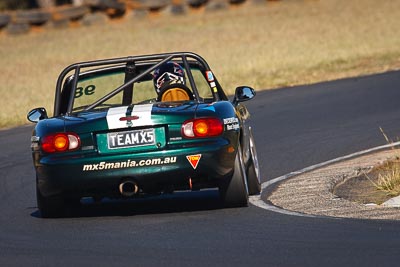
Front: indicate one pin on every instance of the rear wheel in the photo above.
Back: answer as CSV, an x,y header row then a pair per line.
x,y
234,192
50,207
253,169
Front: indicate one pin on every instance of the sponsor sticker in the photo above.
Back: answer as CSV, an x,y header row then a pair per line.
x,y
232,123
128,164
234,126
194,160
231,120
210,76
35,139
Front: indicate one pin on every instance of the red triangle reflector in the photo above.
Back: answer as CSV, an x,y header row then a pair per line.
x,y
194,160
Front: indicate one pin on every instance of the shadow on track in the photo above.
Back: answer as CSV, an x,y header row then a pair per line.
x,y
171,203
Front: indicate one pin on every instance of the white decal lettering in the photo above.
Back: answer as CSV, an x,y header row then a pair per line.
x,y
231,120
112,139
135,138
127,140
119,140
128,164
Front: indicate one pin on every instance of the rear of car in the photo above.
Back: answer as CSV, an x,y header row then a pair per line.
x,y
109,154
112,136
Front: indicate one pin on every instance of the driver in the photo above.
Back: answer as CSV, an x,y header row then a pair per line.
x,y
168,73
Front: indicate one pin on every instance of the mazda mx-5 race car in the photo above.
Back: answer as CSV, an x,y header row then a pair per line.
x,y
142,125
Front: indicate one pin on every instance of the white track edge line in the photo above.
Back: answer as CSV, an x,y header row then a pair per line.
x,y
257,201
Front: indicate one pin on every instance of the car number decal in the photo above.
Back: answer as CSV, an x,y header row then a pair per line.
x,y
88,90
141,112
194,160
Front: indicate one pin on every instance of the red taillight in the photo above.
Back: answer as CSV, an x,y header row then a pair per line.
x,y
60,142
203,127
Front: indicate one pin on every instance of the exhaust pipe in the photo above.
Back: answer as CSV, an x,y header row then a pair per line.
x,y
128,188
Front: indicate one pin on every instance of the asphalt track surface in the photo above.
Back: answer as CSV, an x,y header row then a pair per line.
x,y
294,128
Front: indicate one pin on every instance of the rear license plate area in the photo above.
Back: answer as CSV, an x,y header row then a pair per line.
x,y
132,138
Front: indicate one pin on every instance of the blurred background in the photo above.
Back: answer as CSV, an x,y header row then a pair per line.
x,y
28,4
260,43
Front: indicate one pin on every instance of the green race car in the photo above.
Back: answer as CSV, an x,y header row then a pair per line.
x,y
142,125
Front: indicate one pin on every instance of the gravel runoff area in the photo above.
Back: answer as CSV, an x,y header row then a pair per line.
x,y
311,192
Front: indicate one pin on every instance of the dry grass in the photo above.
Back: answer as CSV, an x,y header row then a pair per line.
x,y
388,174
272,45
389,181
388,178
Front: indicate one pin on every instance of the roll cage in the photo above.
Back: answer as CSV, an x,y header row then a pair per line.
x,y
136,68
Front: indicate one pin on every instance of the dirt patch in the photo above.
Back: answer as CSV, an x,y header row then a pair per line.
x,y
362,189
312,192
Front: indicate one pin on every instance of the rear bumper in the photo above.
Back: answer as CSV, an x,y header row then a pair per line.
x,y
93,174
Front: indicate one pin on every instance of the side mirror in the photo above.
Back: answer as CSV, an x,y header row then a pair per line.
x,y
37,114
243,93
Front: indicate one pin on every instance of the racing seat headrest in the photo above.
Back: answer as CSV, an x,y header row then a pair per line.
x,y
175,92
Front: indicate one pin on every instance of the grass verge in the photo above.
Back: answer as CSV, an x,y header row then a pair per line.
x,y
389,179
266,46
377,186
388,174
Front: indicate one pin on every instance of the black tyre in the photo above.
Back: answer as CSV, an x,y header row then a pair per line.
x,y
4,20
33,17
113,8
234,192
236,2
253,169
105,4
50,207
155,5
70,12
196,3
